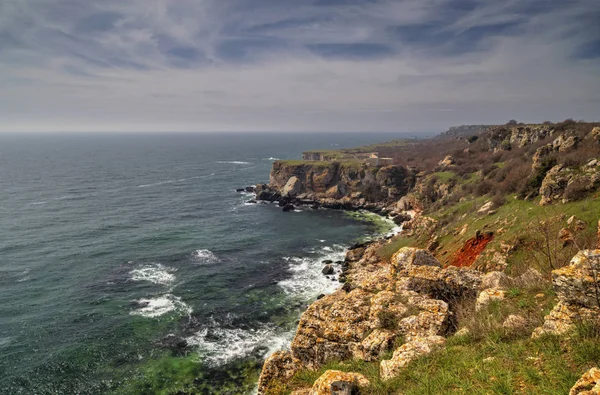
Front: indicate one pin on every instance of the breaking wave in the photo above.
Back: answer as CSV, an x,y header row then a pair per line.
x,y
307,280
218,345
154,273
205,256
161,305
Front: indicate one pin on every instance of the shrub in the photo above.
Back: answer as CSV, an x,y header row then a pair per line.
x,y
576,190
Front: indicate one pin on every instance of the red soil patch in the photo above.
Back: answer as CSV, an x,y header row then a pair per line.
x,y
471,250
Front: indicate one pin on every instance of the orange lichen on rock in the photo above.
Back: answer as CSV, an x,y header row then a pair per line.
x,y
467,255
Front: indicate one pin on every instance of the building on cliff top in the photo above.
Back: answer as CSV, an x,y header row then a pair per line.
x,y
369,158
375,160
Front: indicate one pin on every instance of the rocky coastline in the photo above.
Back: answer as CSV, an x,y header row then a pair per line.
x,y
391,311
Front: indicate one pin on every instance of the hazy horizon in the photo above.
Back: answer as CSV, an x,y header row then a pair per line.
x,y
409,66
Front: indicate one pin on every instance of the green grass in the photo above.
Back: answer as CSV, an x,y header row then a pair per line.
x,y
293,162
444,176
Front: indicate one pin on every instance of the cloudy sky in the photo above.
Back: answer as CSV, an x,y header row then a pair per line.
x,y
295,65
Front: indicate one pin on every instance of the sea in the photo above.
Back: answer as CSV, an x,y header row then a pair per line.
x,y
129,264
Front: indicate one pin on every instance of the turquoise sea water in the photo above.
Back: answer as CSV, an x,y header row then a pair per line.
x,y
129,264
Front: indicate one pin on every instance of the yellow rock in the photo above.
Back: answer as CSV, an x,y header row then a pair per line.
x,y
335,382
588,384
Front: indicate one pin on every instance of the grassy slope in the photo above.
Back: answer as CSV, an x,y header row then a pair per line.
x,y
490,360
514,363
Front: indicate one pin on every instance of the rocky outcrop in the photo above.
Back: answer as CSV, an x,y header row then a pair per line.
x,y
278,366
507,136
447,162
407,353
588,384
594,135
563,184
407,298
577,287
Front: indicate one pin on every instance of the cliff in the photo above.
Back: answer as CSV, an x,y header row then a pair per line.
x,y
333,184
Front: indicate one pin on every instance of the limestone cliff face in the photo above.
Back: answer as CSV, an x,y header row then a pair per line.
x,y
505,137
338,180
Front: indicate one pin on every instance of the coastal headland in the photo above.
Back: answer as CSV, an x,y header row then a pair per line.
x,y
491,286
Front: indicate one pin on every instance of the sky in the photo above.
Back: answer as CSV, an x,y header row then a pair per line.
x,y
295,65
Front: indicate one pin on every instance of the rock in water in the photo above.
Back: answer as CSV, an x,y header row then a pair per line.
x,y
288,207
328,269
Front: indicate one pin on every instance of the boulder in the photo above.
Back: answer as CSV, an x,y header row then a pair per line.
x,y
540,154
292,187
496,280
240,190
566,237
355,254
335,382
328,269
577,287
278,366
335,192
486,208
529,279
375,345
423,274
563,318
447,162
288,207
588,384
407,353
250,189
514,323
487,296
579,282
554,184
595,134
408,257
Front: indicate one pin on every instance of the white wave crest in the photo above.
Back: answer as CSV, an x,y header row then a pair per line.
x,y
307,280
218,346
205,256
234,162
154,273
157,183
161,305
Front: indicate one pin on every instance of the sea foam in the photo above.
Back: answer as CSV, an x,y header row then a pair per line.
x,y
205,256
154,273
307,281
161,305
218,346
